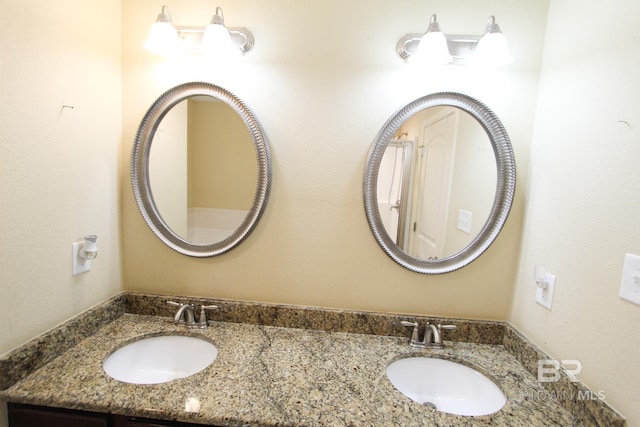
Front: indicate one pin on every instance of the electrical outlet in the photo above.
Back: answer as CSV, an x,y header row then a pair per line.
x,y
77,267
630,283
464,221
546,285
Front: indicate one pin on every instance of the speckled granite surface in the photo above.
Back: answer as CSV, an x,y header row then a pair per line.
x,y
285,365
37,352
574,396
271,376
324,319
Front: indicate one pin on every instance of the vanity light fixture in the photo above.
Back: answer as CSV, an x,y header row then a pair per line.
x,y
163,38
216,39
492,49
432,48
213,40
489,50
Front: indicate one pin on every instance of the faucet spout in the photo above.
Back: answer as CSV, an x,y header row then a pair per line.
x,y
432,335
185,311
185,316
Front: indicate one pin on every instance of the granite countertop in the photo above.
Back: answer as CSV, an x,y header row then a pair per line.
x,y
268,376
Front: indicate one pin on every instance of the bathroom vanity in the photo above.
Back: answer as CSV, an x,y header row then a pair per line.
x,y
326,368
29,415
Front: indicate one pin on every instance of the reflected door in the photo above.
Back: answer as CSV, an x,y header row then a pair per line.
x,y
433,189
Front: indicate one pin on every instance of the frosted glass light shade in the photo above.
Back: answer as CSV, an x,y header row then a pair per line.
x,y
432,50
214,40
492,50
163,39
217,41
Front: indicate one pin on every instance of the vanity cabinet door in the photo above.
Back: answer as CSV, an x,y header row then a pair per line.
x,y
139,422
33,416
146,423
41,416
133,423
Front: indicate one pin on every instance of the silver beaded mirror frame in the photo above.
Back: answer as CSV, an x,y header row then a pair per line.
x,y
505,186
140,169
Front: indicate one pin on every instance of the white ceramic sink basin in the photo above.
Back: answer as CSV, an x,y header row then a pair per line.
x,y
160,359
446,386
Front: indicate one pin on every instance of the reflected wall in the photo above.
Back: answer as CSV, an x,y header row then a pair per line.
x,y
202,170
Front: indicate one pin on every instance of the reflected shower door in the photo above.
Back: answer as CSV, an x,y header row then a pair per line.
x,y
394,180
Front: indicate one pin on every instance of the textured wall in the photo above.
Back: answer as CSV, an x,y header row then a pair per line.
x,y
322,79
58,167
582,203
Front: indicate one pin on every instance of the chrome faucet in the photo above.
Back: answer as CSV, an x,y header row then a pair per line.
x,y
432,334
185,316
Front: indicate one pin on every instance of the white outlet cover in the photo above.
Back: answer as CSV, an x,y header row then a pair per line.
x,y
464,221
544,297
76,266
630,283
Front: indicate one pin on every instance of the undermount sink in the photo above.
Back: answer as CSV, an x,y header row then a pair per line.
x,y
446,386
160,359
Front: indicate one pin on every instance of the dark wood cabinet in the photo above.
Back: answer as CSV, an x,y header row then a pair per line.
x,y
35,416
40,416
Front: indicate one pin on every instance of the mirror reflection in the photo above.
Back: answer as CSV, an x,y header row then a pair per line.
x,y
202,170
436,183
441,172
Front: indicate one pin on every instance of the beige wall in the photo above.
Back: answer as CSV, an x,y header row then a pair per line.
x,y
59,168
322,81
582,201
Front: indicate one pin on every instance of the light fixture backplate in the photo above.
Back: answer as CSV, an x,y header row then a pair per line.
x,y
461,47
191,36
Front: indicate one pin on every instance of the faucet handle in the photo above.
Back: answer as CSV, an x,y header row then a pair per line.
x,y
446,327
203,316
177,304
407,323
414,334
207,307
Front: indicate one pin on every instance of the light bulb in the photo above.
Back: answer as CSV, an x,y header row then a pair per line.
x,y
492,49
163,38
217,39
432,49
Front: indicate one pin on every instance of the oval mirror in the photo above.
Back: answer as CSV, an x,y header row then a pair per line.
x,y
439,182
200,169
